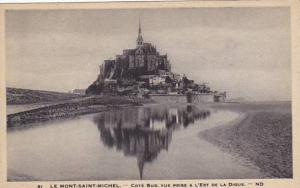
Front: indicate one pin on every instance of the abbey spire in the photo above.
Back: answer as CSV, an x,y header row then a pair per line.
x,y
139,40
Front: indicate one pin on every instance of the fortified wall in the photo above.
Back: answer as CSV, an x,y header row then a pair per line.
x,y
189,98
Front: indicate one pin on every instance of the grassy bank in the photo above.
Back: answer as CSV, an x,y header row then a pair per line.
x,y
264,136
28,96
70,108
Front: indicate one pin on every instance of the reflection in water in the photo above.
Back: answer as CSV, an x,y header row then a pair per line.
x,y
144,132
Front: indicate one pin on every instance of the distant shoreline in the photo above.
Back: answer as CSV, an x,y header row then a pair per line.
x,y
18,96
38,106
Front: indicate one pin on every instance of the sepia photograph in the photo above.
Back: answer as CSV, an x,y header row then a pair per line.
x,y
182,93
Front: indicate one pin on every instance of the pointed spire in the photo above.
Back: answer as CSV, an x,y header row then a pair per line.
x,y
139,40
140,30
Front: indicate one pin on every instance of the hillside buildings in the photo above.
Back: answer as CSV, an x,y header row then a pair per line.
x,y
142,71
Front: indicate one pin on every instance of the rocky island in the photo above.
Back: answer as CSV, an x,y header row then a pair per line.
x,y
144,72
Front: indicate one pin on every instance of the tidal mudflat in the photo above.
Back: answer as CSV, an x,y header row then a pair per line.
x,y
264,136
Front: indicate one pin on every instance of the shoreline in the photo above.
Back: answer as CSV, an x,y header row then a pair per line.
x,y
69,109
263,136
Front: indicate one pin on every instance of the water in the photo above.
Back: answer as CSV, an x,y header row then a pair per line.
x,y
154,142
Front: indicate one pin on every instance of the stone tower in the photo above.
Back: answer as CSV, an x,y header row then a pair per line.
x,y
139,40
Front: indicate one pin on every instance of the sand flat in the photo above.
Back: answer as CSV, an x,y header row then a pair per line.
x,y
264,136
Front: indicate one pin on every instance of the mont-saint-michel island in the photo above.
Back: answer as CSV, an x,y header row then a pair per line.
x,y
140,97
143,71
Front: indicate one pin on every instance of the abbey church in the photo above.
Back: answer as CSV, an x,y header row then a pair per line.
x,y
144,59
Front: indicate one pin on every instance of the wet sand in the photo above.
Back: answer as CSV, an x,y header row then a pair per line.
x,y
263,136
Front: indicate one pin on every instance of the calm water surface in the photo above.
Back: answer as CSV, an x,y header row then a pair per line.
x,y
153,142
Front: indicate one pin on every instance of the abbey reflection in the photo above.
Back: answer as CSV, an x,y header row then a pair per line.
x,y
144,132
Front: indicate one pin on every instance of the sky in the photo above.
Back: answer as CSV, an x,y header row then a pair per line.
x,y
243,51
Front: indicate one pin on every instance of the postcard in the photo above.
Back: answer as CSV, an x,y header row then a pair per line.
x,y
150,94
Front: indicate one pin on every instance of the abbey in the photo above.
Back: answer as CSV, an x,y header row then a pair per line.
x,y
143,71
144,59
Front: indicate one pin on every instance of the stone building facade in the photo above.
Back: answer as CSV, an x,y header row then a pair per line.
x,y
144,59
